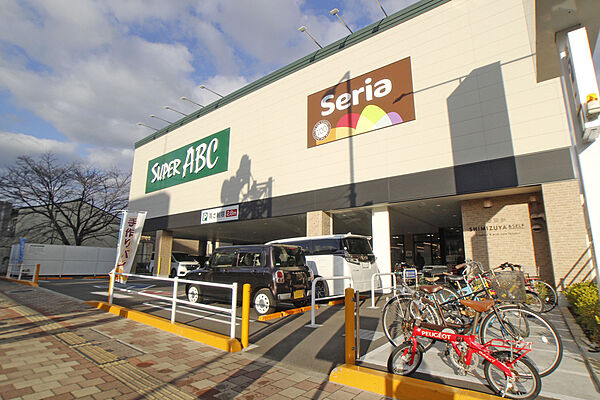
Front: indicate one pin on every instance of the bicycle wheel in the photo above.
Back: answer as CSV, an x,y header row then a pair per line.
x,y
403,361
399,309
526,325
526,383
547,294
533,301
395,312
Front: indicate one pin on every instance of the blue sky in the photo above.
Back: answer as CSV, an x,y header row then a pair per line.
x,y
77,75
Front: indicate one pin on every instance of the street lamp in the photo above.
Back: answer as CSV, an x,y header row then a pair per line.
x,y
303,29
162,119
172,109
212,91
147,126
191,101
335,12
380,6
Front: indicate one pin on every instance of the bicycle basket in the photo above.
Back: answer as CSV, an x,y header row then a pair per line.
x,y
474,269
509,286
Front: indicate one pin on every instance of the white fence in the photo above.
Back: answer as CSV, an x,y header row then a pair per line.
x,y
174,300
23,271
59,260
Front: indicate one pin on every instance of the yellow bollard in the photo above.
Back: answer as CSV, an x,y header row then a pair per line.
x,y
245,314
37,274
350,337
111,285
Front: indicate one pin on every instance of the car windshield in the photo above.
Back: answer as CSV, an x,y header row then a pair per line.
x,y
356,245
288,256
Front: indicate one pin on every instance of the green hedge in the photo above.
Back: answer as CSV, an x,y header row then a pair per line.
x,y
585,306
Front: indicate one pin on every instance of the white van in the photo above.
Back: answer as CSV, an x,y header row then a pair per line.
x,y
181,264
338,255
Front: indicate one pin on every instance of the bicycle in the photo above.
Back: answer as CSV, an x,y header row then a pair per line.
x,y
475,288
544,290
508,372
507,321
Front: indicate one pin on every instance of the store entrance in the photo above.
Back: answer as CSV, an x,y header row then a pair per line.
x,y
444,247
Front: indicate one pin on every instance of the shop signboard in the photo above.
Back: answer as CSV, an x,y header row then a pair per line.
x,y
204,157
377,99
220,214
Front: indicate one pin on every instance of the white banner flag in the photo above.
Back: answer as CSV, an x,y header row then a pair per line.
x,y
129,238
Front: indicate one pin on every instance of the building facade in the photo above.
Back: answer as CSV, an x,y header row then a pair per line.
x,y
430,131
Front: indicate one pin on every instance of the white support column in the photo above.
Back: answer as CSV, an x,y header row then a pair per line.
x,y
380,221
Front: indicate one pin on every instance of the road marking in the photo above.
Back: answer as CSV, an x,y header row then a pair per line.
x,y
115,295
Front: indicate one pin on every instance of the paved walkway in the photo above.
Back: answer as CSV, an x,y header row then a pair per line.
x,y
54,346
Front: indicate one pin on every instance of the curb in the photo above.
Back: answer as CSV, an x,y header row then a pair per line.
x,y
578,334
222,342
282,314
401,387
26,283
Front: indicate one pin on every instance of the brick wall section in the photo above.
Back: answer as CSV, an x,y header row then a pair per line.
x,y
566,232
318,223
499,233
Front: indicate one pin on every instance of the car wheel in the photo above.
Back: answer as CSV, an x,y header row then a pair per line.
x,y
264,302
194,295
321,290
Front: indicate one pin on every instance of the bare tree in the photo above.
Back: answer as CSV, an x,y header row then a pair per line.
x,y
72,201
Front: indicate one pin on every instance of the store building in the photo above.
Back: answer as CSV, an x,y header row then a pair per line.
x,y
434,130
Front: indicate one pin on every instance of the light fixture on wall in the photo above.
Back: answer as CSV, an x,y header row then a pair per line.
x,y
303,29
210,90
487,203
537,227
147,126
336,12
380,6
533,199
162,119
191,101
177,111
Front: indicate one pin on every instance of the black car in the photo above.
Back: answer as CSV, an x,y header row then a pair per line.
x,y
276,273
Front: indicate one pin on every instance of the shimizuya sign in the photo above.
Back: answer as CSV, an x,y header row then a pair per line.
x,y
204,157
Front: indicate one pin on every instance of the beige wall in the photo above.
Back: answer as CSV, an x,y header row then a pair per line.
x,y
567,232
500,233
449,45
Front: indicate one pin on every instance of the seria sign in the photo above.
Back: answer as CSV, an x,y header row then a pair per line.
x,y
204,157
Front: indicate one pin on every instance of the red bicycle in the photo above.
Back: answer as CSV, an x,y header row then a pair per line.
x,y
507,370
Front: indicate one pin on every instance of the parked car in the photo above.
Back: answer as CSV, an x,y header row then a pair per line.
x,y
336,256
181,264
276,273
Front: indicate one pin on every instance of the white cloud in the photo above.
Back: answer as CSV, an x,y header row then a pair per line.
x,y
18,144
109,158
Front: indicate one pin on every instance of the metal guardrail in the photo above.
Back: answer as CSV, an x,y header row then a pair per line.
x,y
174,300
17,271
313,297
393,274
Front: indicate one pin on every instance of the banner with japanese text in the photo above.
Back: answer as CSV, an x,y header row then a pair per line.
x,y
129,238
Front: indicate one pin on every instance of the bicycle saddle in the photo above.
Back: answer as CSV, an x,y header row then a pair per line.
x,y
455,277
431,288
432,279
478,305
